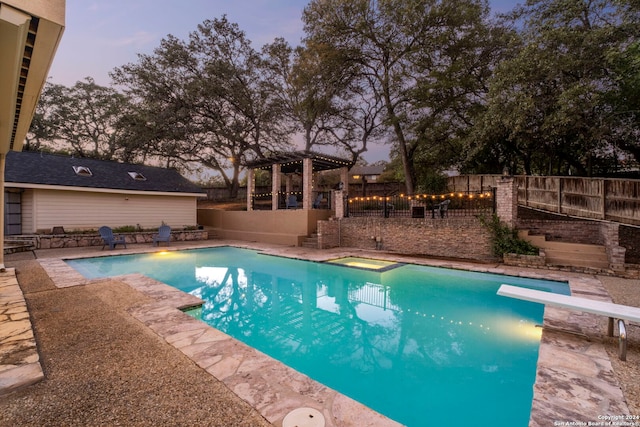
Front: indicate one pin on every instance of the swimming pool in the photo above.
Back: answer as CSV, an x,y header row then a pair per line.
x,y
421,345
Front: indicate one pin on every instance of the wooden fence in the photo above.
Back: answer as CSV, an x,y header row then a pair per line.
x,y
609,199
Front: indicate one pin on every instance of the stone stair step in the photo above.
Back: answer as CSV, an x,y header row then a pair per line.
x,y
311,241
569,254
576,262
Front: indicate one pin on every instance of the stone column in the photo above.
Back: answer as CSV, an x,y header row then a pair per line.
x,y
344,179
276,180
251,185
341,194
616,253
338,203
307,183
507,200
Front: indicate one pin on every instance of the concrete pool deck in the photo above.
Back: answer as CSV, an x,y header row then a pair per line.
x,y
574,383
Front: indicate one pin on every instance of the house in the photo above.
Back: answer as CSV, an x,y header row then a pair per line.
x,y
365,174
43,191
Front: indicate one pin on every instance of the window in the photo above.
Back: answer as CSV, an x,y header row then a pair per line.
x,y
137,176
82,171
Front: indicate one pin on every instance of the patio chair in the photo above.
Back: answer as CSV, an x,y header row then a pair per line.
x,y
442,208
316,203
164,235
292,202
108,238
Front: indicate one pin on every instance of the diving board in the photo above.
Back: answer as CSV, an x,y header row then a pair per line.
x,y
609,309
604,308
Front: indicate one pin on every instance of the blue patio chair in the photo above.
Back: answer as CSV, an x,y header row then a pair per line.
x,y
108,238
164,235
292,202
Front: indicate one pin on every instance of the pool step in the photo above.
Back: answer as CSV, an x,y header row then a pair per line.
x,y
569,254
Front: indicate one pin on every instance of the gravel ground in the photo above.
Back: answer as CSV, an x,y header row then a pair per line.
x,y
103,368
627,292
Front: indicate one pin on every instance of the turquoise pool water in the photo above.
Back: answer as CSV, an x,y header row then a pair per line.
x,y
424,346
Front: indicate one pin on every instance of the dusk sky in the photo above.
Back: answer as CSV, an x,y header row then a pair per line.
x,y
101,35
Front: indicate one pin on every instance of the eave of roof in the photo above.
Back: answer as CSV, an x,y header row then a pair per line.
x,y
29,36
100,190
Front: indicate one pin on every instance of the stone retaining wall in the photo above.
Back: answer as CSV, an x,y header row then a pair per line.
x,y
463,237
57,241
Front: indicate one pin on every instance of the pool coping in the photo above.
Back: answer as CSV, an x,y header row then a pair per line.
x,y
574,377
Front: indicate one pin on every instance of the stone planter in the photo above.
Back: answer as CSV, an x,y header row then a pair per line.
x,y
534,261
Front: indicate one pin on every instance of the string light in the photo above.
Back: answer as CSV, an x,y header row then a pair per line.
x,y
420,197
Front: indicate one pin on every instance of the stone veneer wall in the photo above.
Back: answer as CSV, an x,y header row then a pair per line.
x,y
57,241
449,238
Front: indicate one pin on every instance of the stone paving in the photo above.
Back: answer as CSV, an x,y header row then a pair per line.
x,y
574,382
19,359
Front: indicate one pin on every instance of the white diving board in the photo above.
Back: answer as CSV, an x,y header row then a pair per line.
x,y
604,308
609,309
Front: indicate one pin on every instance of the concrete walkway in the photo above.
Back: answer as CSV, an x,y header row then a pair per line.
x,y
575,380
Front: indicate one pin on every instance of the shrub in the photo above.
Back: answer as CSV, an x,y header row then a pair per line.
x,y
505,239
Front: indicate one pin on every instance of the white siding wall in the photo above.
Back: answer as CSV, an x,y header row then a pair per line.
x,y
76,210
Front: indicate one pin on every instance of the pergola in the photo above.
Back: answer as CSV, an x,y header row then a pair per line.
x,y
305,163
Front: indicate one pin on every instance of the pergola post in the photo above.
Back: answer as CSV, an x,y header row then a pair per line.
x,y
307,183
251,185
276,180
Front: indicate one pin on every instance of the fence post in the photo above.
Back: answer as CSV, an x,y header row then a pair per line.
x,y
603,189
559,195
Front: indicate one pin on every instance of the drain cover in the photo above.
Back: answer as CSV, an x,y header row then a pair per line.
x,y
303,417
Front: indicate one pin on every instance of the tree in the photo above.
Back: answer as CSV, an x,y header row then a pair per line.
x,y
206,100
550,107
82,120
397,46
42,132
323,97
452,86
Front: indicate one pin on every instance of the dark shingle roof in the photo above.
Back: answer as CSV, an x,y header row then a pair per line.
x,y
52,169
367,170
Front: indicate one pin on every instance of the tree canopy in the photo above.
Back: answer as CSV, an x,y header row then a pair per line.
x,y
550,88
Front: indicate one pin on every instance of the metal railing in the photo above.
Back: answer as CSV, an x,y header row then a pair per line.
x,y
264,201
423,205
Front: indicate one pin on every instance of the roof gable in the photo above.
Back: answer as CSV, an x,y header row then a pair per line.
x,y
30,167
